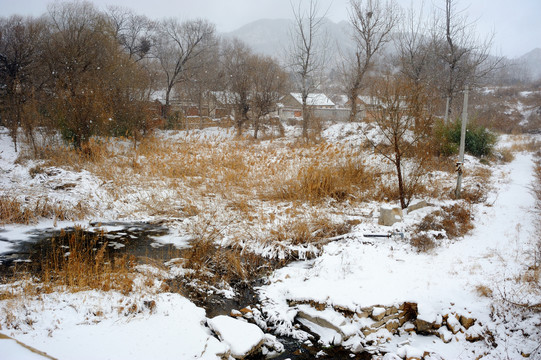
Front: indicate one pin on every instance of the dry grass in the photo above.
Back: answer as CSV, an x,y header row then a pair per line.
x,y
81,261
308,230
327,172
505,155
484,291
281,172
423,242
451,221
527,144
13,210
74,261
454,220
88,265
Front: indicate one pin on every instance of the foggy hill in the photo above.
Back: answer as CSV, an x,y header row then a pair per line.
x,y
272,36
531,63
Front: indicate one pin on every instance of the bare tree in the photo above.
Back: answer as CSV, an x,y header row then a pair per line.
x,y
465,56
307,54
403,118
413,44
372,23
20,53
238,69
134,32
268,83
180,45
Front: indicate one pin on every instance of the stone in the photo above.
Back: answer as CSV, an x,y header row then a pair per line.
x,y
318,320
421,204
392,326
453,324
357,348
391,310
378,313
368,330
467,322
383,321
388,216
474,333
235,313
438,322
424,327
445,335
409,327
363,314
243,338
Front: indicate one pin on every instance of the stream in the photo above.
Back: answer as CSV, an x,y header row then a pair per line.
x,y
146,241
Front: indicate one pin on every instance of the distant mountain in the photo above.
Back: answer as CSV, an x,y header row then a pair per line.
x,y
272,36
531,63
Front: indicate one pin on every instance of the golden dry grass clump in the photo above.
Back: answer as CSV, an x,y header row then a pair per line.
x,y
14,211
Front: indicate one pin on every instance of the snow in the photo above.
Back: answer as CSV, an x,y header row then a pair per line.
x,y
351,273
63,324
315,99
327,336
179,241
241,336
11,350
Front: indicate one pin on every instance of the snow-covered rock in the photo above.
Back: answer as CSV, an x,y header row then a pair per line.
x,y
243,338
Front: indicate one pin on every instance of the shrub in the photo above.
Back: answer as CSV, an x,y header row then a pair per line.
x,y
479,141
454,220
422,242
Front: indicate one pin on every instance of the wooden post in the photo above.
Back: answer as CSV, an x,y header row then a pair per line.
x,y
460,163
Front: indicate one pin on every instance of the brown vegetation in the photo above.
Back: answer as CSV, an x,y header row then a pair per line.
x,y
450,221
76,261
13,210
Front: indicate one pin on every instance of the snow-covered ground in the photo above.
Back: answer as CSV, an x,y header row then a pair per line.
x,y
360,272
350,274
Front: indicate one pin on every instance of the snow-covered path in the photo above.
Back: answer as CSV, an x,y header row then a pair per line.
x,y
357,273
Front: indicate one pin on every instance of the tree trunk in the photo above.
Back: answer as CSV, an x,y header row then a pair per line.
x,y
353,99
401,192
167,101
256,127
305,120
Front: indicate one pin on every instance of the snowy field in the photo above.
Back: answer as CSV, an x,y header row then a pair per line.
x,y
332,291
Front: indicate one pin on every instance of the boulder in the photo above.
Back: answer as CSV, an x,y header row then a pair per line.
x,y
390,215
467,322
421,204
424,327
392,326
445,335
409,327
474,333
243,338
453,324
378,313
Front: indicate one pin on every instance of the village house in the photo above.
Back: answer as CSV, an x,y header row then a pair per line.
x,y
319,104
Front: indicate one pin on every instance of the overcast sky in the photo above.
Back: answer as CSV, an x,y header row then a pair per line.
x,y
516,23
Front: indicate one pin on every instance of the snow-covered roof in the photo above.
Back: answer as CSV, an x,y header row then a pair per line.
x,y
225,97
314,99
341,100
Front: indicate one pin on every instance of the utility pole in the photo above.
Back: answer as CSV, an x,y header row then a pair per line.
x,y
460,163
